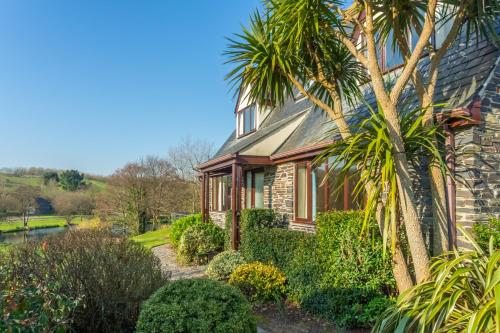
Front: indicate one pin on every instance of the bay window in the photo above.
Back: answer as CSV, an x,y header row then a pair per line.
x,y
221,193
314,193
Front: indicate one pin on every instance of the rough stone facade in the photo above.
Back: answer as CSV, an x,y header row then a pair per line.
x,y
477,162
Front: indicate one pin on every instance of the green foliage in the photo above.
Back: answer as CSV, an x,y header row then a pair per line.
x,y
110,275
260,282
347,307
200,243
180,225
351,260
223,264
371,151
197,305
71,180
485,231
39,307
461,295
257,218
50,176
318,267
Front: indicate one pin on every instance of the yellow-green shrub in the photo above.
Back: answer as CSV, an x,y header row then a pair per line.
x,y
258,281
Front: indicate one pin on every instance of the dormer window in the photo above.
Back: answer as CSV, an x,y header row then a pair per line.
x,y
246,120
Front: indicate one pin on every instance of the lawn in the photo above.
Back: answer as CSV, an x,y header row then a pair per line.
x,y
152,238
46,222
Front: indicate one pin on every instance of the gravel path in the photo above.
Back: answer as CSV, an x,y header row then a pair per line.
x,y
168,263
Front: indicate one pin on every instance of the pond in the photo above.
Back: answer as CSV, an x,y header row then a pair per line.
x,y
19,236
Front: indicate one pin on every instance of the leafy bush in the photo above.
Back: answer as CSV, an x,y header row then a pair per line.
x,y
458,297
260,282
315,265
223,264
197,305
111,275
351,261
37,308
485,231
200,243
349,307
180,225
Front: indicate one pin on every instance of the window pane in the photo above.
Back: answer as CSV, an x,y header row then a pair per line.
x,y
356,202
335,191
393,56
240,123
259,190
251,112
318,190
302,192
249,190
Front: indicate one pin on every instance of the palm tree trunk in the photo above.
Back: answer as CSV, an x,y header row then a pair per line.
x,y
400,270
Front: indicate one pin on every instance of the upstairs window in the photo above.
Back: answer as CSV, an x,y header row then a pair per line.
x,y
246,120
315,194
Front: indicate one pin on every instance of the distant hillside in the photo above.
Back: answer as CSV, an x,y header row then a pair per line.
x,y
10,182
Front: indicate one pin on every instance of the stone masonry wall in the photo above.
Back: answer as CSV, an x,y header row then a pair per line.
x,y
477,163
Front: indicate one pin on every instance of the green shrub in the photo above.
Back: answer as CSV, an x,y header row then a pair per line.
x,y
259,282
111,276
349,259
258,218
228,229
485,231
461,295
315,264
197,305
349,307
40,307
223,264
200,243
180,225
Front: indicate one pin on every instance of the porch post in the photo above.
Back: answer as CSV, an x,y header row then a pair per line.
x,y
236,203
202,197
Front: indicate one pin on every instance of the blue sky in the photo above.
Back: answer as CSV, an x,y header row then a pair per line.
x,y
94,84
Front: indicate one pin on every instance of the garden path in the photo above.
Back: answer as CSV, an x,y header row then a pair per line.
x,y
166,254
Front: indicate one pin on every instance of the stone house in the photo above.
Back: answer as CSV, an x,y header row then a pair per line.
x,y
266,160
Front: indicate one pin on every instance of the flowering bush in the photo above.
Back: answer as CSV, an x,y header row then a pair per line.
x,y
260,282
223,264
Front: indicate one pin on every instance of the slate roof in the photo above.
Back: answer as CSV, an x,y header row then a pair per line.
x,y
462,73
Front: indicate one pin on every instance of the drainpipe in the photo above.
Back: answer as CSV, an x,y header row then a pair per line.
x,y
451,188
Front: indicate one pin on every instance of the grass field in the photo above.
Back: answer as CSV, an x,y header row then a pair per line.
x,y
48,222
152,238
11,182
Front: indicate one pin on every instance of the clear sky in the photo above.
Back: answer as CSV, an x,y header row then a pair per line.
x,y
93,84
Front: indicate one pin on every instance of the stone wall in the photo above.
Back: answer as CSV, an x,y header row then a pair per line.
x,y
477,163
279,184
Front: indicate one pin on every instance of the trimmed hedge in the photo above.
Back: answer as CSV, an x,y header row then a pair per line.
x,y
325,266
180,225
197,305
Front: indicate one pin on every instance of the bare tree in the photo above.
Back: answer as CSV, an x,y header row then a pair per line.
x,y
143,191
69,204
185,157
25,201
